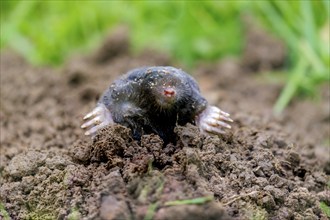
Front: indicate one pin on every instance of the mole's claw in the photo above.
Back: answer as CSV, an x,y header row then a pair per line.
x,y
93,130
94,121
224,113
211,129
211,120
89,115
223,124
93,113
98,118
216,110
227,119
87,133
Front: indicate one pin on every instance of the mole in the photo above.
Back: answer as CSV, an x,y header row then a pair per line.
x,y
154,100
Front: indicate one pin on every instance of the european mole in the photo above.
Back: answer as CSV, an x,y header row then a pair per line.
x,y
153,100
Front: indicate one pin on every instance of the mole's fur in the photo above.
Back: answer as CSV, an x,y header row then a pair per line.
x,y
153,100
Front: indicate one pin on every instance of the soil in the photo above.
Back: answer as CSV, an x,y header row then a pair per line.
x,y
265,167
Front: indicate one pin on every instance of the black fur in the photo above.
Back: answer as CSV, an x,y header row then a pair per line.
x,y
134,101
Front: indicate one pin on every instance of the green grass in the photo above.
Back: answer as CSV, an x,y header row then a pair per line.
x,y
304,26
325,209
151,211
74,214
3,212
48,32
195,201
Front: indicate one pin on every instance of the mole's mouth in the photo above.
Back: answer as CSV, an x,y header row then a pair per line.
x,y
169,92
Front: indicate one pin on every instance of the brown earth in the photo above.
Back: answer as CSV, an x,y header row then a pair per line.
x,y
265,167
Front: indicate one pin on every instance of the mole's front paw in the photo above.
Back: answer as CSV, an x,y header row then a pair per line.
x,y
211,120
97,119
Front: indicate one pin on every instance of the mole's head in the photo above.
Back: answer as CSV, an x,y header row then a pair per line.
x,y
164,87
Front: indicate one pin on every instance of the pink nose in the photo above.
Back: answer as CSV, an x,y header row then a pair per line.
x,y
169,92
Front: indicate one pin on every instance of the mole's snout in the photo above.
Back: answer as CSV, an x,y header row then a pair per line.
x,y
169,92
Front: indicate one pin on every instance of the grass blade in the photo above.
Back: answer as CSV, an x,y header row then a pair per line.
x,y
291,87
196,201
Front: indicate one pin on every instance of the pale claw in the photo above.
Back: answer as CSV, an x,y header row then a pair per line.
x,y
97,119
212,120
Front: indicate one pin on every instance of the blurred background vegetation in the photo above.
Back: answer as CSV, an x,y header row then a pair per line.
x,y
48,32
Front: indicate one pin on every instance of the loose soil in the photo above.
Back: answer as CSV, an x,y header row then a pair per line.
x,y
265,167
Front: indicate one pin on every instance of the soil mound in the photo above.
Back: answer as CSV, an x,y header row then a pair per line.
x,y
265,167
